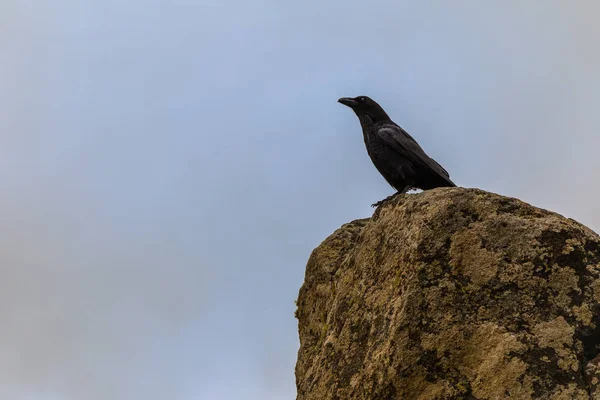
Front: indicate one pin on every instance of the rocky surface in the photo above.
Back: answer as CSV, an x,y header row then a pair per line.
x,y
452,294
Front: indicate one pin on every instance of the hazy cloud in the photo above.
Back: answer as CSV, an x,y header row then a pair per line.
x,y
167,167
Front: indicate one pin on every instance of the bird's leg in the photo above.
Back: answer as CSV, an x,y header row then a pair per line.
x,y
380,202
406,189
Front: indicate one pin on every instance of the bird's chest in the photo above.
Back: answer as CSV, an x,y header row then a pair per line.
x,y
379,152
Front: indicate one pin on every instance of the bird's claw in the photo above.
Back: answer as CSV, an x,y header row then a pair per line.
x,y
380,202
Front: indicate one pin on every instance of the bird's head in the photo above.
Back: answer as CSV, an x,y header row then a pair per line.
x,y
364,106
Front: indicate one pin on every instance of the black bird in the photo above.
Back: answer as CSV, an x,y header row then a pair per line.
x,y
396,155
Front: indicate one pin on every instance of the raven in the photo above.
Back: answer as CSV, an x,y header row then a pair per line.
x,y
396,155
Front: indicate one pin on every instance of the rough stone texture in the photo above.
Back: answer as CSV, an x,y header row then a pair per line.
x,y
452,294
592,372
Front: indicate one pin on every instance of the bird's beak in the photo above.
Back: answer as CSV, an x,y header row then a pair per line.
x,y
347,101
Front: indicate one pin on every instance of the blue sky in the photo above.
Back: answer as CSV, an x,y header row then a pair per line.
x,y
167,167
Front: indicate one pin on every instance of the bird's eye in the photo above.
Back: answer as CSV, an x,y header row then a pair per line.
x,y
362,99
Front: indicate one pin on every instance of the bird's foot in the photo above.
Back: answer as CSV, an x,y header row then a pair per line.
x,y
380,202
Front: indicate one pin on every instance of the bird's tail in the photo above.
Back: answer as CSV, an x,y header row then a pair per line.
x,y
450,183
445,176
437,180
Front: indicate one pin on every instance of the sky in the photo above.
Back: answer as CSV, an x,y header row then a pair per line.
x,y
166,167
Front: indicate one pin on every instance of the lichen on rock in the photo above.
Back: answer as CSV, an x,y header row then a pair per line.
x,y
452,294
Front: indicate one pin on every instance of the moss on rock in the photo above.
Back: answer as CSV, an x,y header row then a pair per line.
x,y
452,294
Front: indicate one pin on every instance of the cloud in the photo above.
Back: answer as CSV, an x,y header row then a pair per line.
x,y
165,169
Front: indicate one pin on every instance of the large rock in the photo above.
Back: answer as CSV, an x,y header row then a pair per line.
x,y
452,294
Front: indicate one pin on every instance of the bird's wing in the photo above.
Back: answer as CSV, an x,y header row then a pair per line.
x,y
442,168
402,142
